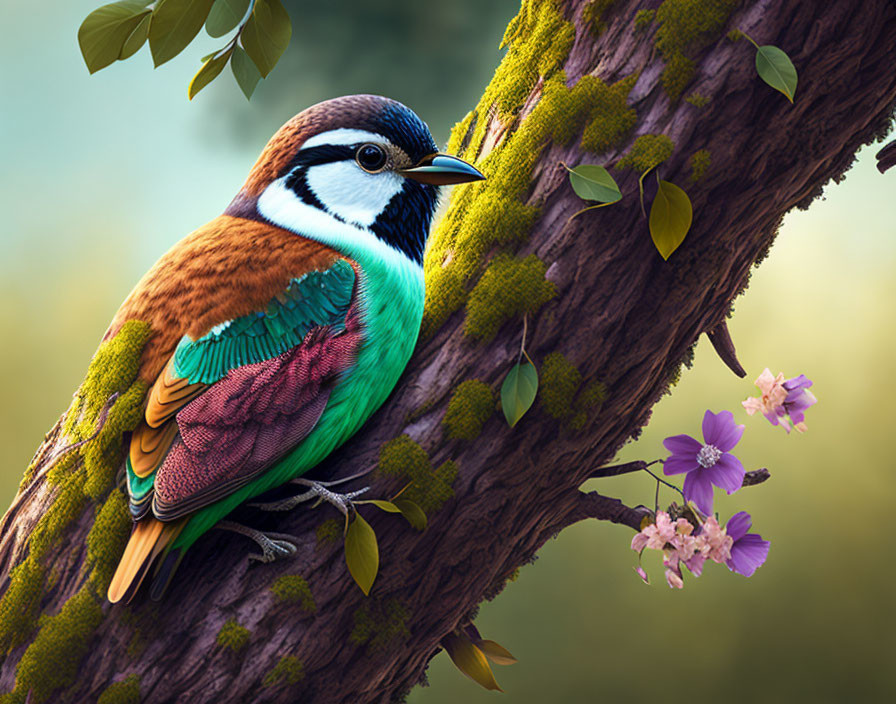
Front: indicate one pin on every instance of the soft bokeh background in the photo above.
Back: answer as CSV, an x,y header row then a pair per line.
x,y
99,175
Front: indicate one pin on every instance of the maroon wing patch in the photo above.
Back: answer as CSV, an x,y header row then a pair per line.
x,y
249,419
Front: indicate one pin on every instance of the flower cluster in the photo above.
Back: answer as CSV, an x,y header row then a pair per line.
x,y
681,545
782,401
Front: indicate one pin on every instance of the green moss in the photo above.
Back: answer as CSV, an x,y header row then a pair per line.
x,y
125,692
20,604
700,161
288,671
233,636
735,35
107,539
698,100
610,118
330,531
685,28
51,662
404,459
647,151
589,398
510,287
560,380
471,405
294,589
378,624
643,19
594,15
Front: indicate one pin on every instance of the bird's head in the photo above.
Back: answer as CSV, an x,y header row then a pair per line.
x,y
356,168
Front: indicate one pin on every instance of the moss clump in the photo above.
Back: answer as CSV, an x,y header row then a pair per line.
x,y
288,671
402,458
700,161
233,636
643,19
509,287
698,100
107,539
378,624
593,15
610,117
125,692
20,604
685,28
330,531
560,380
51,661
471,405
647,151
561,393
293,589
735,35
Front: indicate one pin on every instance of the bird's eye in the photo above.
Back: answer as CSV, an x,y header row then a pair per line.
x,y
371,157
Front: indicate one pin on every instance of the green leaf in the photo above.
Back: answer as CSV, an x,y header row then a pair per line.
x,y
210,70
670,218
136,39
592,182
775,68
362,556
386,506
245,71
518,391
104,32
175,23
412,512
496,652
266,34
225,16
469,659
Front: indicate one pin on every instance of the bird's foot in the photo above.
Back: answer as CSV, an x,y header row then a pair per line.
x,y
318,491
274,546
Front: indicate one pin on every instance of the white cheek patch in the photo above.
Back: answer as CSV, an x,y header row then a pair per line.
x,y
346,190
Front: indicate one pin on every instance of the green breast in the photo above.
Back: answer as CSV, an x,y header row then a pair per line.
x,y
390,299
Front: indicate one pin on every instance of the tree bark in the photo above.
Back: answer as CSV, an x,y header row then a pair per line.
x,y
621,315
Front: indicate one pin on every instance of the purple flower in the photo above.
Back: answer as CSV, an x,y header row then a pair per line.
x,y
782,402
749,550
799,398
709,462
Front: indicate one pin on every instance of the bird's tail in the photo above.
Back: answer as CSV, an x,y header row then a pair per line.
x,y
149,539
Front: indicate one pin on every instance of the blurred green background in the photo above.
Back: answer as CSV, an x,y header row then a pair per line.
x,y
101,174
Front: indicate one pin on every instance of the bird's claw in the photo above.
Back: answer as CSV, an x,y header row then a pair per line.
x,y
274,546
318,491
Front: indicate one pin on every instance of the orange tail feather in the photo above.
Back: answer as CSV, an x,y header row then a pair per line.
x,y
148,539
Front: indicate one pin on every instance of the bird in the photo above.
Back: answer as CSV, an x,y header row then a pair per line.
x,y
278,328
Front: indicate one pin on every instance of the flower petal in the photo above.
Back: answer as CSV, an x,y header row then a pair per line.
x,y
748,554
719,429
682,445
642,573
738,525
698,488
798,382
676,464
728,473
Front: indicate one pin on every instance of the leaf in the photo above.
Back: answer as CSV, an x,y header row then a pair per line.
x,y
104,32
592,182
245,71
266,34
225,16
210,70
412,512
518,391
469,659
362,556
136,39
670,218
775,68
175,23
496,652
386,506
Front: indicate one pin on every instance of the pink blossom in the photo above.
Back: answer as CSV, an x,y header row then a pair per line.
x,y
783,401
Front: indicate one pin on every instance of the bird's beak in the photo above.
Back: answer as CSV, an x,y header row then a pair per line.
x,y
442,170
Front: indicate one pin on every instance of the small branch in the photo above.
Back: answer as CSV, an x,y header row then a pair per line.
x,y
886,157
724,347
617,469
757,476
604,508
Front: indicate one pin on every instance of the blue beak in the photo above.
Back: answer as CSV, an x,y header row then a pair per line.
x,y
442,170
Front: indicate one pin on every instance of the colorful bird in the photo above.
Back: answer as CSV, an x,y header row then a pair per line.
x,y
279,327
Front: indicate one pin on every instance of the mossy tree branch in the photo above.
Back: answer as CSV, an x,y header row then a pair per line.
x,y
577,86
